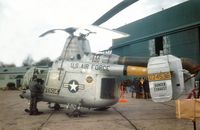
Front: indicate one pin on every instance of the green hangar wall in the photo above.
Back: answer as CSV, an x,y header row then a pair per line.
x,y
173,31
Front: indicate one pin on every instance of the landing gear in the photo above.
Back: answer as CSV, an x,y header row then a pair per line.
x,y
56,106
76,110
75,113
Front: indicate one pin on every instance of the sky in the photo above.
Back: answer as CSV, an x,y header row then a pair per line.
x,y
22,21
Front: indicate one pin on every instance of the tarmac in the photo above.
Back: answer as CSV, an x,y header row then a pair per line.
x,y
136,114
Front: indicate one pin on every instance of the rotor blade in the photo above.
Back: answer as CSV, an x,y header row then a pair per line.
x,y
70,30
100,31
116,9
50,31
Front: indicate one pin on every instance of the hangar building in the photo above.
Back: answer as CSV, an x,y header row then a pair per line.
x,y
173,31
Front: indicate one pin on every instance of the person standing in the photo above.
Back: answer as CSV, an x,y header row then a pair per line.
x,y
134,83
146,88
138,88
36,90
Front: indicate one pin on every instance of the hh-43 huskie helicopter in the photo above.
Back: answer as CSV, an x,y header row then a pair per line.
x,y
79,78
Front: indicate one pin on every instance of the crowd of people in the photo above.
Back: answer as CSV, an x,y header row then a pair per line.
x,y
138,87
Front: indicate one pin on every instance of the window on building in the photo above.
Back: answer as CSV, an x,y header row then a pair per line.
x,y
158,45
5,70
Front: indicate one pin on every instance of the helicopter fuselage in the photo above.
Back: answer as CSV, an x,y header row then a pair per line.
x,y
82,78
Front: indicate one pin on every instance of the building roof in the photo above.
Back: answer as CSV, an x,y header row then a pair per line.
x,y
169,21
13,70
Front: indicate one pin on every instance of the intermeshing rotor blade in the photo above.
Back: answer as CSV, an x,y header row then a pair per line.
x,y
69,30
116,9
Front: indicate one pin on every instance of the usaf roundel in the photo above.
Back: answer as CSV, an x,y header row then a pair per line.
x,y
73,86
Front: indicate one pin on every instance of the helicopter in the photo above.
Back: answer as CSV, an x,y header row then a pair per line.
x,y
83,78
80,78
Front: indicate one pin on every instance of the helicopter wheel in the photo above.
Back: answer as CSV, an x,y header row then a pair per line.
x,y
75,113
57,107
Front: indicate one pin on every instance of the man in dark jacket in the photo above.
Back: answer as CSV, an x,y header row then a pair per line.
x,y
36,90
146,89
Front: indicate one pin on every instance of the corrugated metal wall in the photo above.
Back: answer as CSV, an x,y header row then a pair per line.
x,y
186,44
137,49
